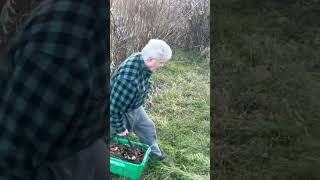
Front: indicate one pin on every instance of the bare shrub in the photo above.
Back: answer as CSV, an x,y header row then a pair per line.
x,y
183,24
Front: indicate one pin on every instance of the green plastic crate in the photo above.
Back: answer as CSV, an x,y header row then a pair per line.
x,y
127,169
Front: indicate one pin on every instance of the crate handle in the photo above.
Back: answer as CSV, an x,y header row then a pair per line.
x,y
131,147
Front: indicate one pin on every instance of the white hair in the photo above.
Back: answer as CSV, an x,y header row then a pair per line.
x,y
157,49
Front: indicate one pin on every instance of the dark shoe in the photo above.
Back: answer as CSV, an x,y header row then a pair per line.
x,y
158,158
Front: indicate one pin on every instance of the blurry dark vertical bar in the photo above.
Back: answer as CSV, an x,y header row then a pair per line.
x,y
105,4
108,77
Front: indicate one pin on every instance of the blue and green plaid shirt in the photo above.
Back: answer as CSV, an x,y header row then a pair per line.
x,y
53,99
129,88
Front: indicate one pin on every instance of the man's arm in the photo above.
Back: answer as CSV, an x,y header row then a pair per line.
x,y
39,102
122,94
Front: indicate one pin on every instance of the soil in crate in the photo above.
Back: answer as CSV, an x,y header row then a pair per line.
x,y
124,152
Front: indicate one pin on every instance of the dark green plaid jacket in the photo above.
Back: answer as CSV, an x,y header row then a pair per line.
x,y
129,87
54,95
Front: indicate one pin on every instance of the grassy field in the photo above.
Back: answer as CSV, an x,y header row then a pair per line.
x,y
265,82
179,106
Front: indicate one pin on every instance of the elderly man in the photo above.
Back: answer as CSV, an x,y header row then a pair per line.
x,y
129,87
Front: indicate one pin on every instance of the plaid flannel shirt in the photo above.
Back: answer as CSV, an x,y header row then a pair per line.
x,y
54,94
129,88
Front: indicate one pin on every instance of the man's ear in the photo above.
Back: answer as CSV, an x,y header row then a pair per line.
x,y
149,59
147,62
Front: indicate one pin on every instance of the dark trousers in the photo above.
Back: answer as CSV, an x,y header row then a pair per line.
x,y
91,163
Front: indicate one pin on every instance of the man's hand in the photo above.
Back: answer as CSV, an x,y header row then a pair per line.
x,y
124,133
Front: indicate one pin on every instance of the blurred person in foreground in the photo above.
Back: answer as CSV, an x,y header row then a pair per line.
x,y
53,105
130,85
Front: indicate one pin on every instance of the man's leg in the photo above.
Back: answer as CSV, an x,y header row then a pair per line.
x,y
93,162
56,170
88,164
144,128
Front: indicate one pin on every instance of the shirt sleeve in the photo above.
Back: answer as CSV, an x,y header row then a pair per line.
x,y
122,94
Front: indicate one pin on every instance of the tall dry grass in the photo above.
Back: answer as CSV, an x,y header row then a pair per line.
x,y
183,24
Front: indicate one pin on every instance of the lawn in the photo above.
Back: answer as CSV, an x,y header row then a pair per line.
x,y
265,87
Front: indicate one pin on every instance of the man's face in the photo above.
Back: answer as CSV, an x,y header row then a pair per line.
x,y
153,64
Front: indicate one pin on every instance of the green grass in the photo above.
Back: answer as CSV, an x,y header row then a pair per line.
x,y
265,87
179,106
